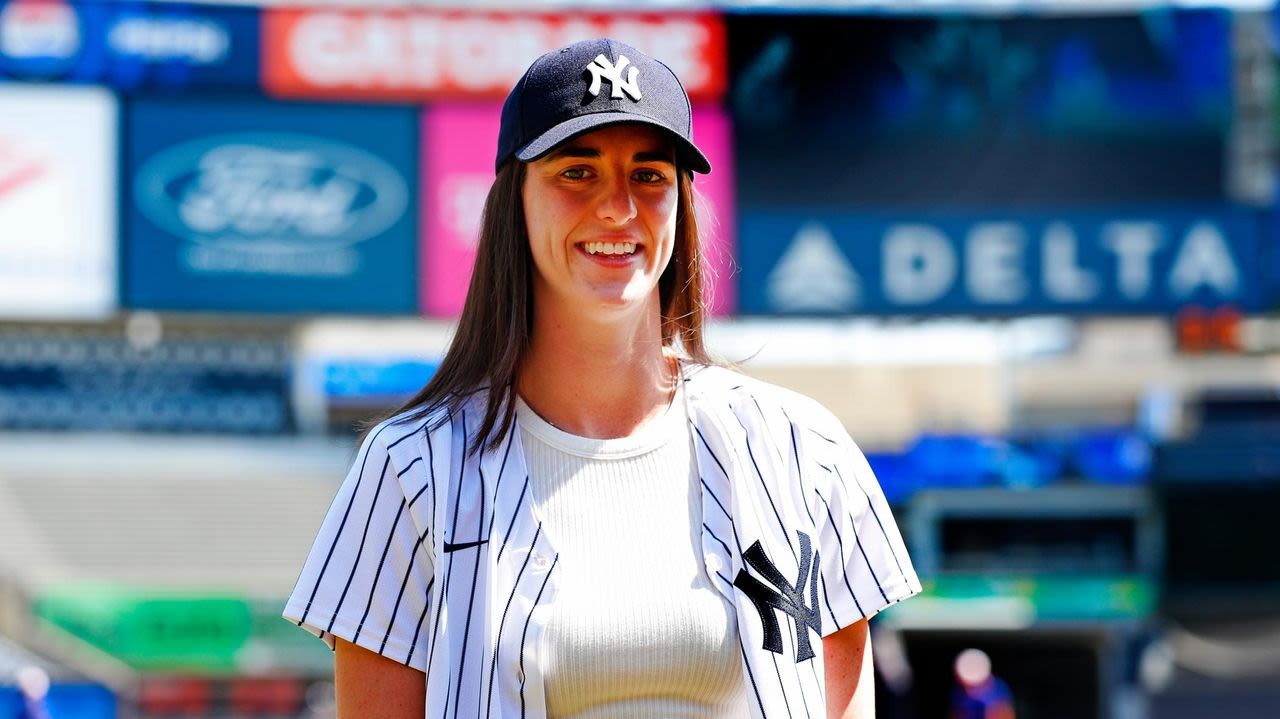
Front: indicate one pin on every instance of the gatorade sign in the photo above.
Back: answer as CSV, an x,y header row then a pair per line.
x,y
1076,263
416,55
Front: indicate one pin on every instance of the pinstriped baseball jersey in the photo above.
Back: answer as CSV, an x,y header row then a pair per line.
x,y
436,558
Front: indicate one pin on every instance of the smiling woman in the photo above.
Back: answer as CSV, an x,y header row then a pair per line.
x,y
581,514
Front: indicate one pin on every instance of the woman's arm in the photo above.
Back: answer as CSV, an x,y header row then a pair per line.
x,y
371,685
851,689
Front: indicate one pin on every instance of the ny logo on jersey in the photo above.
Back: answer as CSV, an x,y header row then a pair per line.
x,y
601,69
788,599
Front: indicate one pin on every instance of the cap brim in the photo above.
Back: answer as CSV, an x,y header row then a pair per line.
x,y
689,156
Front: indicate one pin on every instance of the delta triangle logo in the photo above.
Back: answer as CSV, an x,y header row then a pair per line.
x,y
813,275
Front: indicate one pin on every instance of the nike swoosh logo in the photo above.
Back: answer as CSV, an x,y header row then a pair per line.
x,y
450,547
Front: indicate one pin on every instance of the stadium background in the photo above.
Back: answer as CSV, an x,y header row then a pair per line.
x,y
1025,251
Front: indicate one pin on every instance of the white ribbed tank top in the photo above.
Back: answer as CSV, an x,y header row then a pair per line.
x,y
636,629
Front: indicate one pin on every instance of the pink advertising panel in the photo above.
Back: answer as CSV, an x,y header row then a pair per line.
x,y
458,143
717,211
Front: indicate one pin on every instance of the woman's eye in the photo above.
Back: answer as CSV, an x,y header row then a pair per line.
x,y
648,176
574,173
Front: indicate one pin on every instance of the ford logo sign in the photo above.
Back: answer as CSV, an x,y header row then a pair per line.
x,y
270,192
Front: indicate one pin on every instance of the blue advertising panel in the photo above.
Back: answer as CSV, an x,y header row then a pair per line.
x,y
170,46
1271,256
1073,263
263,206
236,383
130,45
83,701
362,379
53,40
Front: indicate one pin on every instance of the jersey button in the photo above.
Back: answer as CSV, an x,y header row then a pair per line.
x,y
713,563
540,562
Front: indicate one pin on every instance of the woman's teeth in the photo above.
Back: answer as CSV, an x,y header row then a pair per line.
x,y
610,248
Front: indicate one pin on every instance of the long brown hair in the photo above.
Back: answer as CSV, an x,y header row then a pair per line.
x,y
497,317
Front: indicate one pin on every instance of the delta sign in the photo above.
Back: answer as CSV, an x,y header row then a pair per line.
x,y
1072,262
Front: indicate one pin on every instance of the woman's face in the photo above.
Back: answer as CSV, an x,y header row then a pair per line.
x,y
601,216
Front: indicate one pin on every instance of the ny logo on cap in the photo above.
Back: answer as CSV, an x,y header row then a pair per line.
x,y
601,68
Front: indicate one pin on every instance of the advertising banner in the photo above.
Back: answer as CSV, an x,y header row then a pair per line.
x,y
130,45
373,382
717,208
421,54
981,111
260,206
214,633
65,699
55,40
458,145
1271,256
57,202
173,46
95,380
1152,260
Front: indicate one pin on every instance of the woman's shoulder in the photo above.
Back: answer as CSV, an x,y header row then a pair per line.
x,y
739,392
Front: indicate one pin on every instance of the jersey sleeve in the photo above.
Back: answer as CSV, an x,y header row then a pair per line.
x,y
863,561
368,576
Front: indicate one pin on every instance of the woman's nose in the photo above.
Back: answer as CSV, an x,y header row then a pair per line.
x,y
616,203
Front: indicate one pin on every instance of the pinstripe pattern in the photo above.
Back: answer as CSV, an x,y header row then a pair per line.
x,y
770,462
506,611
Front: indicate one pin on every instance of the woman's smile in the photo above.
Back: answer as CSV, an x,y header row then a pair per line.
x,y
615,248
612,253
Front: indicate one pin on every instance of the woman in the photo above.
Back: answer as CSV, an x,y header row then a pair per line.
x,y
580,515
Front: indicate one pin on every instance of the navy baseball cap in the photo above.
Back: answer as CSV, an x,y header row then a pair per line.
x,y
588,85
